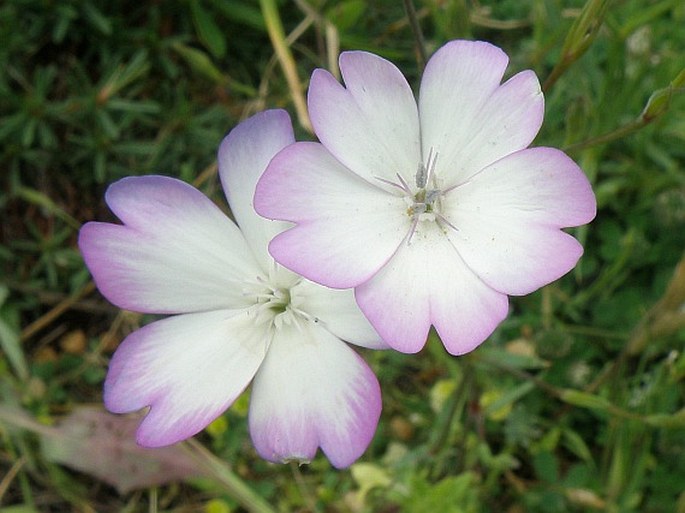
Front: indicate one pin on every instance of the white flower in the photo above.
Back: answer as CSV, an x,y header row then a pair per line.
x,y
237,315
433,212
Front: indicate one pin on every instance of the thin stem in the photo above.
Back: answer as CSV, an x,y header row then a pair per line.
x,y
665,317
657,105
285,57
579,38
558,70
569,396
617,133
445,421
233,485
153,496
10,475
46,319
305,492
418,34
331,37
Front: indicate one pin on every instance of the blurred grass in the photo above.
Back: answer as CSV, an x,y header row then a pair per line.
x,y
574,404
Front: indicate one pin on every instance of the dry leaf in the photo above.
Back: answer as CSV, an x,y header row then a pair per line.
x,y
103,445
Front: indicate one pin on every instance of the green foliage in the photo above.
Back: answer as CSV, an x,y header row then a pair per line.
x,y
454,494
577,401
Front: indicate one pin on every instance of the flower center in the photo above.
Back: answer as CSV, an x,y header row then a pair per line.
x,y
278,300
424,204
275,300
271,304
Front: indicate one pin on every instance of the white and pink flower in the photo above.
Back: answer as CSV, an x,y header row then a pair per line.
x,y
434,213
237,316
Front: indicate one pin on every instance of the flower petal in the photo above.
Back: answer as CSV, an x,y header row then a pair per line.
x,y
176,253
243,157
313,391
508,122
372,124
338,312
467,117
347,229
457,81
187,368
509,218
426,283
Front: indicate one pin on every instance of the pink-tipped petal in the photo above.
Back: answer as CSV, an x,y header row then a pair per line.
x,y
457,82
243,157
176,253
507,122
508,219
346,228
338,312
371,125
313,391
188,369
426,283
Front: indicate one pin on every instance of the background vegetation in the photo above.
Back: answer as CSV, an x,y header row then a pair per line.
x,y
576,403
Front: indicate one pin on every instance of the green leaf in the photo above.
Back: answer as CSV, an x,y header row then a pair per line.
x,y
574,443
674,421
509,397
245,13
209,33
546,467
502,357
345,15
19,508
10,341
584,400
200,62
455,494
369,476
97,19
584,29
43,201
123,75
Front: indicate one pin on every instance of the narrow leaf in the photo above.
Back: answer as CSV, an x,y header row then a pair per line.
x,y
208,32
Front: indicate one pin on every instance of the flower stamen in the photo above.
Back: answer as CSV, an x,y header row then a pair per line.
x,y
423,204
403,186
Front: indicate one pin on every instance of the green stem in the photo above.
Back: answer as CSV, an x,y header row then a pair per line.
x,y
617,133
657,105
233,485
449,410
579,38
418,33
570,396
285,57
